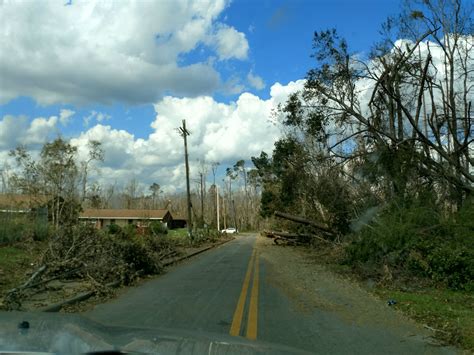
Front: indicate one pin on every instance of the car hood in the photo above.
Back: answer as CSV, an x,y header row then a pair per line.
x,y
75,334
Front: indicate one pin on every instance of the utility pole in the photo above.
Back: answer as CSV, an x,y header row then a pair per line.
x,y
184,133
202,197
217,203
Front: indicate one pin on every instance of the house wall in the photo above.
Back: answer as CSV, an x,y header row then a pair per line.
x,y
103,223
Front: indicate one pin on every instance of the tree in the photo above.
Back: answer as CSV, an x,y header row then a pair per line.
x,y
131,193
231,176
400,107
96,153
54,176
155,191
390,127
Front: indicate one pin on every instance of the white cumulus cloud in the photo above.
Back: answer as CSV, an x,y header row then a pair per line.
x,y
255,81
102,51
230,43
65,116
220,132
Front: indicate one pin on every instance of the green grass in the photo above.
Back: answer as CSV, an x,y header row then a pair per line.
x,y
179,237
451,313
178,233
11,257
13,264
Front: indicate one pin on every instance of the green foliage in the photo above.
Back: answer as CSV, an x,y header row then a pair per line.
x,y
41,230
413,238
334,196
130,230
12,230
114,228
134,252
157,228
17,228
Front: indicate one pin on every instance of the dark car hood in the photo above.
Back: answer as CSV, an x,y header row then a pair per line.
x,y
75,334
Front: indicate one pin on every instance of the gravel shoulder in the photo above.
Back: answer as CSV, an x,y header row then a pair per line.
x,y
311,286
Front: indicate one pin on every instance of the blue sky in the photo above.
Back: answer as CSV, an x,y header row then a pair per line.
x,y
137,69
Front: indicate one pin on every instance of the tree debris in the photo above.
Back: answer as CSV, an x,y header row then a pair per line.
x,y
319,226
93,258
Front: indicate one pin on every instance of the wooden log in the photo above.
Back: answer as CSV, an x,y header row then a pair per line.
x,y
295,236
297,219
290,235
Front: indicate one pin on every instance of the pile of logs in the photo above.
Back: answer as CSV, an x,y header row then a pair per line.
x,y
325,234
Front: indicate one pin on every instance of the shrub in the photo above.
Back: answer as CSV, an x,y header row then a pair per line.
x,y
158,228
17,228
414,239
41,231
114,228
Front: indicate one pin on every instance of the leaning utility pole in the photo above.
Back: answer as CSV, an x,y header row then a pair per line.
x,y
184,133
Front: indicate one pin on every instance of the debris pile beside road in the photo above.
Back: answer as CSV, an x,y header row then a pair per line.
x,y
81,258
318,231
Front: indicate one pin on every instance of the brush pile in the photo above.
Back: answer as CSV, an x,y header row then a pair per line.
x,y
85,255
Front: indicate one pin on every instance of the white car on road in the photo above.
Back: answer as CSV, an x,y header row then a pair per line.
x,y
230,231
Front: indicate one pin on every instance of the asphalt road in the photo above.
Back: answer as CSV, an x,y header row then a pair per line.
x,y
227,291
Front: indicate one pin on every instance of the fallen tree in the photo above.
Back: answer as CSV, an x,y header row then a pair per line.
x,y
297,238
319,226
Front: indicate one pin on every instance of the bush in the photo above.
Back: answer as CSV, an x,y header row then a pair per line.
x,y
158,228
17,228
11,231
413,239
41,231
114,228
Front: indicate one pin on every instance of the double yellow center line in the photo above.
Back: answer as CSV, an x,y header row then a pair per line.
x,y
253,304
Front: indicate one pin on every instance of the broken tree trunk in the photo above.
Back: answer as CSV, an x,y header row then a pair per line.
x,y
294,236
321,227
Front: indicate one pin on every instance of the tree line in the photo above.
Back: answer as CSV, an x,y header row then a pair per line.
x,y
380,148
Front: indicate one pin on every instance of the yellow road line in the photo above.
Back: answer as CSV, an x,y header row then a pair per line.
x,y
253,308
239,311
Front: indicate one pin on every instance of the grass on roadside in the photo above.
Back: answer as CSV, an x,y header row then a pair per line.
x,y
14,262
450,313
178,233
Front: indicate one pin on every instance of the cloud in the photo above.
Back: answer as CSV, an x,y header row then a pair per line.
x,y
94,115
16,130
255,81
219,132
40,130
106,52
11,128
65,116
230,43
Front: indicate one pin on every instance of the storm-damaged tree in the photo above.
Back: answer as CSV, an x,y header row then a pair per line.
x,y
231,176
96,153
367,131
55,176
404,118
